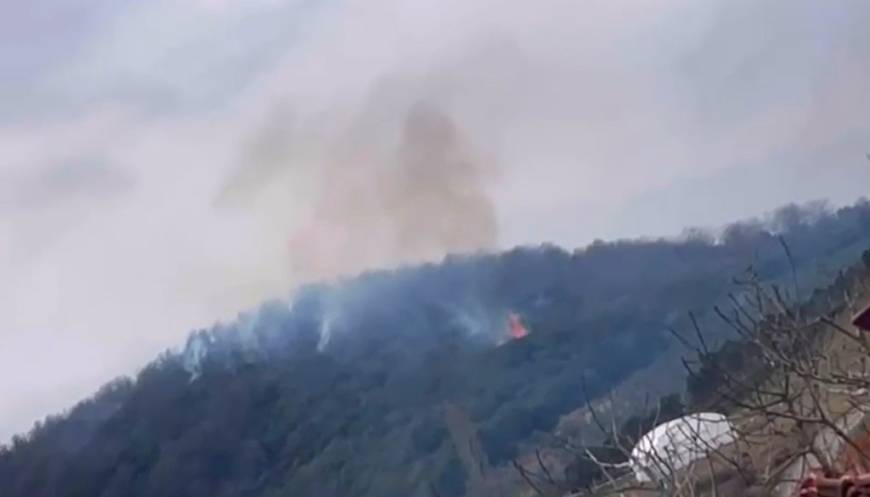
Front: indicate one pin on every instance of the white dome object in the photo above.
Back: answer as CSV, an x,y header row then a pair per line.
x,y
674,445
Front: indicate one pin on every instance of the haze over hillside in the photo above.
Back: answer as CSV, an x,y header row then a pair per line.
x,y
169,163
342,391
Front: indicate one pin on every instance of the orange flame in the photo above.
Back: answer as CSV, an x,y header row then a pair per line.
x,y
517,329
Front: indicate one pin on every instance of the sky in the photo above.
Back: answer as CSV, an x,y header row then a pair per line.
x,y
167,164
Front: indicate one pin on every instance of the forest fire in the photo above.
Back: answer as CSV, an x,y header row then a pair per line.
x,y
517,328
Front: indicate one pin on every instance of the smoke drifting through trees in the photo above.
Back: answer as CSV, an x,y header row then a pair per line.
x,y
400,184
273,413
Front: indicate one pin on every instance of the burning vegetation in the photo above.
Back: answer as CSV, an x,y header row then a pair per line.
x,y
516,327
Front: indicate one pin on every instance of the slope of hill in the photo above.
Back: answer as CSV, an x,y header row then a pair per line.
x,y
341,392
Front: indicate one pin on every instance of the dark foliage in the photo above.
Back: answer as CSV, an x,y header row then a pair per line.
x,y
340,393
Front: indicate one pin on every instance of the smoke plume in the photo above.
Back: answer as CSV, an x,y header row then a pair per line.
x,y
399,183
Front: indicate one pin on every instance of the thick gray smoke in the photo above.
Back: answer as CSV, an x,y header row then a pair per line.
x,y
435,195
400,184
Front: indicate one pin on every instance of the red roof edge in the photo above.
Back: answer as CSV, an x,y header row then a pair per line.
x,y
862,320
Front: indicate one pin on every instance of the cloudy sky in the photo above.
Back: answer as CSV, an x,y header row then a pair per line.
x,y
168,163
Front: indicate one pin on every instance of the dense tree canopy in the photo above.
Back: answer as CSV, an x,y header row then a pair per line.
x,y
340,392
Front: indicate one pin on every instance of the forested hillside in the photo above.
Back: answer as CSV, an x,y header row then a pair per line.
x,y
341,391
